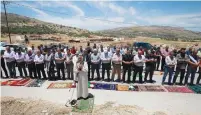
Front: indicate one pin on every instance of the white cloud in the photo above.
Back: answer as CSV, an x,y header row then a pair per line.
x,y
132,10
185,20
62,4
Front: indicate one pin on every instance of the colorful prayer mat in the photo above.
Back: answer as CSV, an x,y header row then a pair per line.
x,y
60,85
10,83
122,87
178,89
36,83
196,88
151,88
104,86
23,82
84,106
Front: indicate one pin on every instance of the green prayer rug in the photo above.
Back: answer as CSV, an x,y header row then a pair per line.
x,y
84,106
196,88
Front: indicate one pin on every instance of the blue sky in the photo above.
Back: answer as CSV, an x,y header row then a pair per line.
x,y
99,15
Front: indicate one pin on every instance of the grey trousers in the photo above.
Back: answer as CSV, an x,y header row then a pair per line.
x,y
70,74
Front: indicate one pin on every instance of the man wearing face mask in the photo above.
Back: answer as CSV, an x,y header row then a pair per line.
x,y
106,63
182,59
116,61
19,57
127,63
95,61
29,59
139,61
9,56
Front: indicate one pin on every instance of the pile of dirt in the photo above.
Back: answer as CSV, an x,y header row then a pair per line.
x,y
19,106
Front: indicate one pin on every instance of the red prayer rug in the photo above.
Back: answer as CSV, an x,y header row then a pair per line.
x,y
10,83
182,89
23,82
151,88
60,85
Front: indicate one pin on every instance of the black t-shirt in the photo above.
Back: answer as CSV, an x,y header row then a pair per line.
x,y
127,57
150,63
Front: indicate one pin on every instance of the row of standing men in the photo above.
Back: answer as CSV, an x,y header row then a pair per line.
x,y
37,62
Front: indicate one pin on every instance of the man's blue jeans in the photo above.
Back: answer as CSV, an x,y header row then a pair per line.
x,y
168,70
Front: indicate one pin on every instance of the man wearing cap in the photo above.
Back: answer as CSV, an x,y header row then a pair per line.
x,y
39,61
69,65
59,60
127,62
95,64
116,61
139,61
9,56
106,63
182,61
29,59
19,57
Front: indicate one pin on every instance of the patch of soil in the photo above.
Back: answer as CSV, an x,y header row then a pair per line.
x,y
20,106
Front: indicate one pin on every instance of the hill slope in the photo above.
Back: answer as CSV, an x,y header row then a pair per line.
x,y
153,31
25,25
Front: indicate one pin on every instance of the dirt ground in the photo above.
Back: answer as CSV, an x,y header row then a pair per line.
x,y
19,106
65,39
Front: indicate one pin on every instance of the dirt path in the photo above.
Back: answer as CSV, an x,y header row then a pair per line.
x,y
19,106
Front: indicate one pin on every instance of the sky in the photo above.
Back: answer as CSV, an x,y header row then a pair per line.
x,y
101,15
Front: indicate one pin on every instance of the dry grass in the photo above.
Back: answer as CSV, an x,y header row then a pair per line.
x,y
153,41
19,106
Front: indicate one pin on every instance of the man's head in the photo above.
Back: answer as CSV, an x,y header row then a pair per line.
x,y
195,52
118,51
8,48
166,47
59,50
95,51
29,52
80,57
182,50
140,53
68,52
128,52
38,52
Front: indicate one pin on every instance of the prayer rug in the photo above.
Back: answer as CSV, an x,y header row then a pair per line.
x,y
60,85
10,83
182,89
151,88
84,106
36,83
122,87
104,86
23,82
196,88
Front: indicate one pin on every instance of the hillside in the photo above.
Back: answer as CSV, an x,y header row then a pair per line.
x,y
164,32
24,25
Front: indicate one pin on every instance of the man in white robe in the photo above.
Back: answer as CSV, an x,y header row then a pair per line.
x,y
81,78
